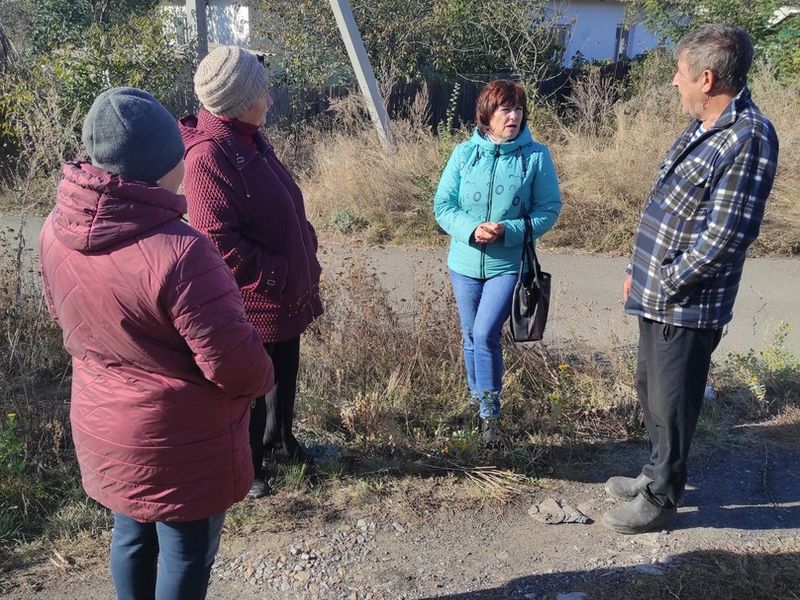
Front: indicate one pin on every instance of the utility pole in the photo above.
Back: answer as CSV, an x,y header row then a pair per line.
x,y
196,17
362,67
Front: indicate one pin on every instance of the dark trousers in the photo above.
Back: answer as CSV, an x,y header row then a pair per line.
x,y
271,416
163,561
671,378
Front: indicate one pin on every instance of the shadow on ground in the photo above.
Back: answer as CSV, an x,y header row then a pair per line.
x,y
701,575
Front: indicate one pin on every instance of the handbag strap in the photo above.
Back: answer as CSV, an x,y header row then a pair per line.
x,y
529,249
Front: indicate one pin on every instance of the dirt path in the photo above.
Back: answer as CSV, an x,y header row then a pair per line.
x,y
587,303
736,538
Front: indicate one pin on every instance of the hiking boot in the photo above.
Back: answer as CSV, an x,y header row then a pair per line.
x,y
638,516
259,489
490,432
627,487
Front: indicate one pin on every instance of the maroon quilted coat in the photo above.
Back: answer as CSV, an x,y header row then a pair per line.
x,y
164,362
248,204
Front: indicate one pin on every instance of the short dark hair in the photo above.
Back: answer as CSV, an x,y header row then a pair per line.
x,y
725,50
499,92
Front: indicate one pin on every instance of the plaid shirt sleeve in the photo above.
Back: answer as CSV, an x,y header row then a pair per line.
x,y
743,181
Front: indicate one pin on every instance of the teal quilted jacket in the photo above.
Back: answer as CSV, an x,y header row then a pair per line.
x,y
484,181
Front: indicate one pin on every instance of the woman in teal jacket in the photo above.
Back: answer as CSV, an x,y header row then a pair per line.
x,y
489,184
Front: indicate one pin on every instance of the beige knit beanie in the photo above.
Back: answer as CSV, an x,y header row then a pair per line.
x,y
228,80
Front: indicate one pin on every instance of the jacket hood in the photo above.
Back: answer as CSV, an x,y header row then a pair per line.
x,y
96,209
523,139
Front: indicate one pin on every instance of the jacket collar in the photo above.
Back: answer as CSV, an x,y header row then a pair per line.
x,y
729,116
225,136
523,139
735,107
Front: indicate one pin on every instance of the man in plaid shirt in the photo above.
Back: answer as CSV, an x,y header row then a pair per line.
x,y
704,211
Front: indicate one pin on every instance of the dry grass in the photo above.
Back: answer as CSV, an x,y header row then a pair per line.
x,y
606,178
780,230
353,186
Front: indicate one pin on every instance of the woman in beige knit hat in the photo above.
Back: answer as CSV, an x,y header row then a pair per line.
x,y
242,197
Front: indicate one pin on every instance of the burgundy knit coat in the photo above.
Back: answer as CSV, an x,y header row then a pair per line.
x,y
164,362
247,203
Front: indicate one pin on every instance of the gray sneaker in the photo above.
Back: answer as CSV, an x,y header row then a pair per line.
x,y
638,516
627,487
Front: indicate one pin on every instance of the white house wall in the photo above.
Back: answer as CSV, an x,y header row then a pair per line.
x,y
227,23
594,28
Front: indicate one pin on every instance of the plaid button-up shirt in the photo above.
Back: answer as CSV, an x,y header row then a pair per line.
x,y
704,211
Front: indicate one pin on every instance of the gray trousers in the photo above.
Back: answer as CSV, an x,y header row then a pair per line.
x,y
671,378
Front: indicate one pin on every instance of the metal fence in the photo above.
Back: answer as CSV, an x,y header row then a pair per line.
x,y
296,104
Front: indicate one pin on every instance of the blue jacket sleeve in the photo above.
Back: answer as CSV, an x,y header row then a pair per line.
x,y
446,208
545,203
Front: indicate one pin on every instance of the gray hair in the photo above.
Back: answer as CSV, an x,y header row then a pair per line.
x,y
725,50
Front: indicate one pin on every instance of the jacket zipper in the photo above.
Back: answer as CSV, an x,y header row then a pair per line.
x,y
489,209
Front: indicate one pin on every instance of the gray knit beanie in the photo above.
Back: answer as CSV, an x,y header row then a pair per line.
x,y
129,133
228,80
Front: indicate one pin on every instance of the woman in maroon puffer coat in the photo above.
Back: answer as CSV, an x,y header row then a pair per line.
x,y
242,197
164,362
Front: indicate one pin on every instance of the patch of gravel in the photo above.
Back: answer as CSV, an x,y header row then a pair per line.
x,y
324,565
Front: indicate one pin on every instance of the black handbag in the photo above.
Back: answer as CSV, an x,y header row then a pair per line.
x,y
531,301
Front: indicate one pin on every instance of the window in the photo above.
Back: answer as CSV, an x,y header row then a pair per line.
x,y
621,43
561,36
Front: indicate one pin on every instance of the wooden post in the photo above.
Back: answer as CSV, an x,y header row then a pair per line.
x,y
196,16
362,67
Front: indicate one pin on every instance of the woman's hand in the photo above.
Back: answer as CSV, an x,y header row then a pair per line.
x,y
489,232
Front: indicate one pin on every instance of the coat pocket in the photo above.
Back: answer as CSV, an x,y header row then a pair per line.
x,y
685,189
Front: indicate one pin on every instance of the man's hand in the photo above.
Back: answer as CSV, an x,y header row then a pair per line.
x,y
489,232
626,287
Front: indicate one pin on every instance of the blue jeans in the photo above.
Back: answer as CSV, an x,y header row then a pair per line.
x,y
483,307
183,553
